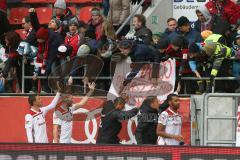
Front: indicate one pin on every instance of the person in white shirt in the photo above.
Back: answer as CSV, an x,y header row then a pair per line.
x,y
63,116
170,123
35,123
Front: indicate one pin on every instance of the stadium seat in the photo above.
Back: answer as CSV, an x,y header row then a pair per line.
x,y
17,14
21,32
35,1
85,13
77,1
73,9
44,14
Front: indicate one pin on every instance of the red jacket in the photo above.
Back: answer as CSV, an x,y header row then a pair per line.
x,y
229,10
74,42
181,54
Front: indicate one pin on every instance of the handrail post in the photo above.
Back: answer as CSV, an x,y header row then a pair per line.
x,y
23,74
129,17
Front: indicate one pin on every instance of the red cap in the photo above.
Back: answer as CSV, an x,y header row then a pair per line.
x,y
42,33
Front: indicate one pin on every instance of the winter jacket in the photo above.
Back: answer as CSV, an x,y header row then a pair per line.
x,y
111,124
65,20
199,26
48,54
192,36
31,37
167,32
74,41
4,26
145,34
95,31
140,55
147,125
119,11
228,10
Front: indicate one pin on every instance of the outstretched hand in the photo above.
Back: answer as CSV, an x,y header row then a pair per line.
x,y
91,86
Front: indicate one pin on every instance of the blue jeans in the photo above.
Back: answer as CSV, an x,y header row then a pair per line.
x,y
105,7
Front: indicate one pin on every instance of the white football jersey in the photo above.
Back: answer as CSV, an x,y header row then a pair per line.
x,y
35,123
63,118
173,125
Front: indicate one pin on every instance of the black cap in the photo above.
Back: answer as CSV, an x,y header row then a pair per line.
x,y
194,48
183,21
177,41
125,44
163,44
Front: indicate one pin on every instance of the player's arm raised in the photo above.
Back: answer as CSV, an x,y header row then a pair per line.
x,y
29,127
85,99
54,102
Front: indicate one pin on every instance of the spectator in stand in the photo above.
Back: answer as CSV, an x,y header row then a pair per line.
x,y
179,48
30,36
4,24
48,43
73,38
13,63
118,13
63,14
95,24
204,21
185,30
236,63
141,31
171,26
226,9
157,38
140,55
54,23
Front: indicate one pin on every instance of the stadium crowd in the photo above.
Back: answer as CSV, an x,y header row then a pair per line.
x,y
204,50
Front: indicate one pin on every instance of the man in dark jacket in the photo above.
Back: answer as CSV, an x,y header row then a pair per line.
x,y
185,30
111,124
48,42
171,26
148,119
139,54
30,36
142,32
64,14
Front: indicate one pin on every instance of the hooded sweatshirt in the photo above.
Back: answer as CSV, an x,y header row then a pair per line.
x,y
199,26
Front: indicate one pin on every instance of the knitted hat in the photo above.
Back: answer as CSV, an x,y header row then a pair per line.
x,y
83,50
158,34
57,21
74,22
95,12
42,33
205,34
125,44
163,44
183,21
60,4
194,48
177,41
210,48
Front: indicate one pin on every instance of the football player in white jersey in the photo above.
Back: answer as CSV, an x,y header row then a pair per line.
x,y
170,123
35,123
63,116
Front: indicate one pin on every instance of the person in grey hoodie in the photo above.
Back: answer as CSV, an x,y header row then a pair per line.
x,y
204,21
